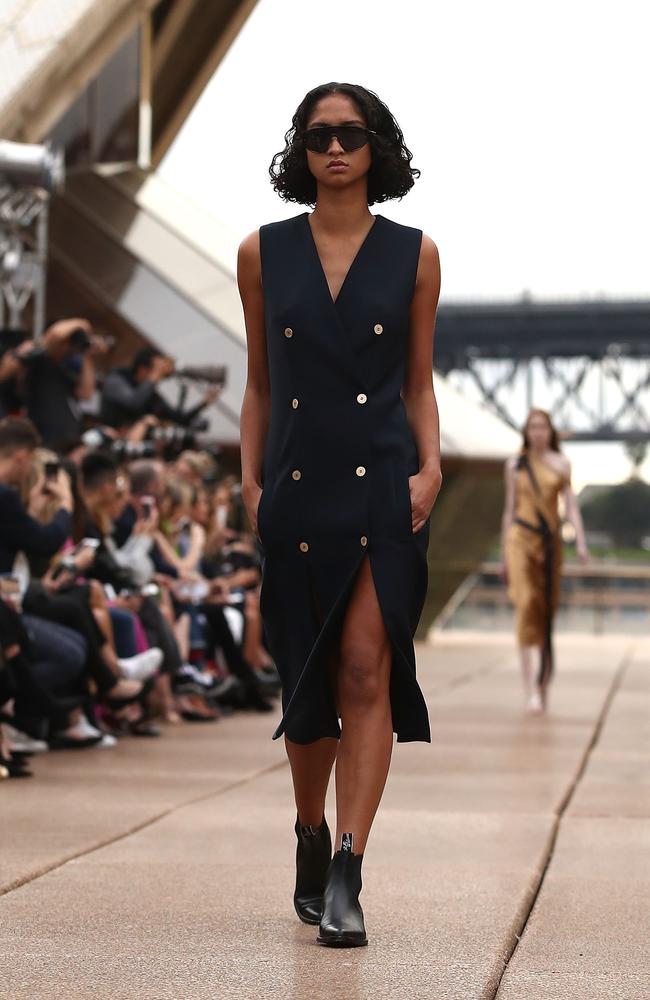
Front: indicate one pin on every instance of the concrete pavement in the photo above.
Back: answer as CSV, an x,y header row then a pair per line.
x,y
163,869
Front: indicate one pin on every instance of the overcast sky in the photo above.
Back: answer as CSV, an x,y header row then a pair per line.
x,y
528,120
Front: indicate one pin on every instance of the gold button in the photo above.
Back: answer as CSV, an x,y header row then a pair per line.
x,y
304,547
361,470
296,473
289,332
379,328
361,398
294,403
364,540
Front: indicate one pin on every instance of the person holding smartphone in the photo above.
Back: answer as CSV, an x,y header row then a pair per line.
x,y
19,530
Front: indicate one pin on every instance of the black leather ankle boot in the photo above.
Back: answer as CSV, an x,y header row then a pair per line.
x,y
313,855
342,925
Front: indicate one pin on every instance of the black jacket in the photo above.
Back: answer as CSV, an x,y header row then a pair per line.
x,y
19,532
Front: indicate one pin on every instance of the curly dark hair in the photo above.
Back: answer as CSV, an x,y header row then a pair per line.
x,y
391,174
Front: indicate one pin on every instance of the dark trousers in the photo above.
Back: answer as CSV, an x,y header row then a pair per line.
x,y
221,636
35,706
123,632
58,655
159,633
73,610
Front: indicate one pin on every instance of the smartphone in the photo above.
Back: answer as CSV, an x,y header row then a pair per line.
x,y
65,566
51,470
148,505
89,543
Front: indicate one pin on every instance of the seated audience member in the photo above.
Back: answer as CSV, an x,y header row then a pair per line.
x,y
19,530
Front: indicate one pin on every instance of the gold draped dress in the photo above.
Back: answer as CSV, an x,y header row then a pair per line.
x,y
533,561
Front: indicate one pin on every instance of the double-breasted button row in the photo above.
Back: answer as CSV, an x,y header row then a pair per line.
x,y
304,546
378,328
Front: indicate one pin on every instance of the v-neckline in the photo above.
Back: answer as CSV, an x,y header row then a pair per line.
x,y
353,262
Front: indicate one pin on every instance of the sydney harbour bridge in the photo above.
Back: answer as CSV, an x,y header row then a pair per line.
x,y
587,362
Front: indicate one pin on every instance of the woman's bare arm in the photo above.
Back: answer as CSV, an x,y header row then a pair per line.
x,y
255,410
509,476
417,391
573,514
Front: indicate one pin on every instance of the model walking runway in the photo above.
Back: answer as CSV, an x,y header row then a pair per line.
x,y
340,470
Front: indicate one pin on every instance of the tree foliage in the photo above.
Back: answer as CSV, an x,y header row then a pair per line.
x,y
622,511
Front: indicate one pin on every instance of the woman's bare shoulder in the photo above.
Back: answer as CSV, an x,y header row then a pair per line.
x,y
249,248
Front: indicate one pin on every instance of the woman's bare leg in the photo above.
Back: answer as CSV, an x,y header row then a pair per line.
x,y
254,650
363,695
311,766
182,634
529,658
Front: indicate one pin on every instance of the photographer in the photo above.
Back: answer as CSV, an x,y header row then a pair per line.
x,y
130,394
59,373
13,345
19,530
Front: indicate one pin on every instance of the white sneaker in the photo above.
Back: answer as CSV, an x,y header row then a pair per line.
x,y
20,741
85,728
189,672
106,741
141,666
81,730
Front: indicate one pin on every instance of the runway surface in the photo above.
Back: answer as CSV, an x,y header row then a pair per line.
x,y
509,859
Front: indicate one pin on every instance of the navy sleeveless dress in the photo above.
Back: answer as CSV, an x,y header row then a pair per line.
x,y
337,458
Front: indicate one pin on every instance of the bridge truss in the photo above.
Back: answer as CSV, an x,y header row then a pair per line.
x,y
588,363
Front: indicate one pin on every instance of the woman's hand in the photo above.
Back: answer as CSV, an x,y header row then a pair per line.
x,y
583,553
147,525
84,558
424,488
64,579
219,588
38,498
251,496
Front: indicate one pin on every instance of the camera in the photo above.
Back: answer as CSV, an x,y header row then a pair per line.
x,y
175,439
212,374
79,340
123,451
11,338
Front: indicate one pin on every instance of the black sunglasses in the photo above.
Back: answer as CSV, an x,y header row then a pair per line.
x,y
351,137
